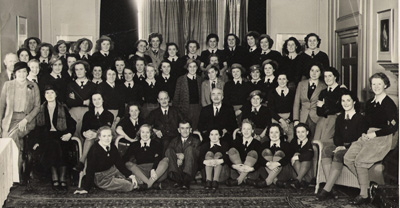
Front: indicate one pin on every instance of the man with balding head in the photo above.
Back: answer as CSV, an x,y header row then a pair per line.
x,y
7,73
165,119
217,116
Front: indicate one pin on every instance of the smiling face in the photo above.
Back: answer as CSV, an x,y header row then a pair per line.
x,y
247,130
44,51
192,68
21,74
268,70
57,67
282,80
105,137
105,45
312,42
150,72
97,71
251,41
35,69
128,74
301,133
84,46
378,86
70,61
165,68
111,76
236,73
50,95
184,130
192,48
142,47
213,43
315,72
140,66
163,99
348,103
291,46
256,101
97,100
24,56
134,112
120,66
155,42
255,74
212,74
172,50
80,71
329,78
264,44
214,136
145,133
214,60
62,49
274,134
231,41
10,61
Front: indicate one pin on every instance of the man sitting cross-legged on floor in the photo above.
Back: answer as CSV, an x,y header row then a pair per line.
x,y
144,159
183,154
244,155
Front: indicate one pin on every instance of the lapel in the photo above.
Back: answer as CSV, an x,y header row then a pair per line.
x,y
317,90
11,93
188,142
29,97
305,89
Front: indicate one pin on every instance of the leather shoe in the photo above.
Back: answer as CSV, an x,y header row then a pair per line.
x,y
281,184
232,182
79,167
325,195
208,184
262,184
214,185
359,200
251,182
295,184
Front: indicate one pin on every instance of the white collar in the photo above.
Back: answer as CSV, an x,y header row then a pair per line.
x,y
257,108
153,81
140,74
111,85
232,48
130,82
333,87
79,81
247,140
255,80
175,58
105,147
166,76
214,49
134,122
100,111
212,144
217,106
142,143
184,139
83,54
304,142
55,75
278,143
236,80
46,60
253,48
279,90
191,76
380,99
309,51
310,82
192,56
351,113
105,53
271,79
9,74
265,52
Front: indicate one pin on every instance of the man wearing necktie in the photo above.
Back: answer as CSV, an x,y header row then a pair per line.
x,y
6,75
183,155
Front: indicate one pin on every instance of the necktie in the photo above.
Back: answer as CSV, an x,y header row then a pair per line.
x,y
173,60
216,111
282,94
129,85
105,54
166,79
268,81
58,77
165,112
274,146
43,61
301,143
313,86
141,77
265,53
347,117
145,146
97,82
254,111
84,57
312,54
330,89
34,80
12,76
212,51
246,144
183,142
251,50
151,85
82,84
237,82
108,151
155,52
97,115
213,85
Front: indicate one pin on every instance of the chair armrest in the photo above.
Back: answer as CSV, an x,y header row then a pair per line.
x,y
198,134
79,145
234,133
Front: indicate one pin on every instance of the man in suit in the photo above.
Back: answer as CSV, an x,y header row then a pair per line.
x,y
183,153
217,116
7,74
165,120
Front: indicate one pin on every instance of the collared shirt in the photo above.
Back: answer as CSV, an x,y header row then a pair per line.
x,y
213,50
214,81
217,143
279,90
98,110
240,80
135,122
184,139
277,143
333,87
83,55
232,48
111,84
55,75
255,108
79,82
192,77
265,52
127,83
303,142
379,100
140,74
166,76
105,147
248,141
271,79
253,48
9,74
153,81
175,58
309,51
165,109
104,53
215,108
142,143
255,81
45,60
350,114
310,82
120,76
192,56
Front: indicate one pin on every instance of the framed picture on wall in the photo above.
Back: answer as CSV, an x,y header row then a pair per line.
x,y
282,37
22,31
385,35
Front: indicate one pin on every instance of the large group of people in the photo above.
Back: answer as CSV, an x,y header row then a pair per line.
x,y
244,114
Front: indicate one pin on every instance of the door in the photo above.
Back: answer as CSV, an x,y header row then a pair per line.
x,y
348,53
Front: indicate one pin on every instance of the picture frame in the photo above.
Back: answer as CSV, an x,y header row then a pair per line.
x,y
282,37
22,30
385,35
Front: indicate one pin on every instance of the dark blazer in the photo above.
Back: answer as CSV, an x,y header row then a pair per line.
x,y
237,56
225,119
168,86
303,106
168,124
261,119
181,97
178,147
104,61
306,152
243,151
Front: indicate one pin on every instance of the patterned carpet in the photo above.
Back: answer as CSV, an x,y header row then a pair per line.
x,y
243,196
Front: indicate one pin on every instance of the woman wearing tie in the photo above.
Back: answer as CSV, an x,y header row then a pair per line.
x,y
132,90
44,53
104,54
292,62
62,49
212,81
35,70
78,93
97,74
306,98
129,125
55,78
280,101
82,48
266,52
173,55
31,44
149,166
212,48
151,89
141,48
313,54
166,81
270,68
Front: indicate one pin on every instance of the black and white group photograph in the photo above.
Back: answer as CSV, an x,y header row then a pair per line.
x,y
199,103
